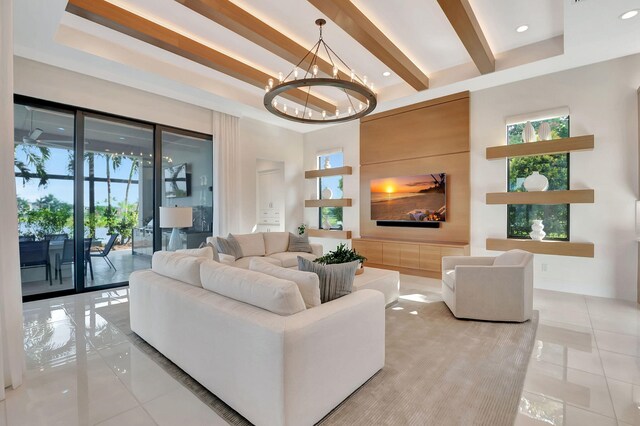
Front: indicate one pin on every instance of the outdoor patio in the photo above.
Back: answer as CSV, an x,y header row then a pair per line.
x,y
124,261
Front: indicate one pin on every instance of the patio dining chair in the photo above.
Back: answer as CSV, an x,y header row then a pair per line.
x,y
104,253
67,257
23,238
35,254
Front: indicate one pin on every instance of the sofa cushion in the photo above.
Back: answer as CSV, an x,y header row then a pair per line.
x,y
229,246
208,243
510,258
246,261
449,278
275,242
289,259
207,252
281,297
179,266
335,280
299,243
250,244
308,282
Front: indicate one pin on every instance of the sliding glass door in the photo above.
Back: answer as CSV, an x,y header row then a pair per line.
x,y
89,189
118,199
45,182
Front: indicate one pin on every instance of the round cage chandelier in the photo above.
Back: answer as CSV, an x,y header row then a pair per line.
x,y
360,97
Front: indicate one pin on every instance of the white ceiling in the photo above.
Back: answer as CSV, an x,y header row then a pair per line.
x,y
591,29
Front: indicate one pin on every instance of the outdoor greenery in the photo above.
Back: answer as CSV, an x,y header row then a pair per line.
x,y
334,214
341,254
49,215
555,168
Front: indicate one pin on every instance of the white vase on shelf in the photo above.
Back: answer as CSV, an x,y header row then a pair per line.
x,y
327,163
327,193
325,223
537,232
536,182
544,131
528,133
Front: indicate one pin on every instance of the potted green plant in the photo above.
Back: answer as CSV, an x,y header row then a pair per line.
x,y
302,229
342,254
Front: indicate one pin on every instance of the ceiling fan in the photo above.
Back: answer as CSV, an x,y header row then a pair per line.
x,y
34,134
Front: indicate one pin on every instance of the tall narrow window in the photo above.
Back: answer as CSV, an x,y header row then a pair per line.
x,y
330,187
555,167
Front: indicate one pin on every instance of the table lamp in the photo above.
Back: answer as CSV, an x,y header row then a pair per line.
x,y
175,217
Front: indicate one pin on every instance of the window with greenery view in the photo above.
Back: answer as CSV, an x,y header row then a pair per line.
x,y
555,167
334,183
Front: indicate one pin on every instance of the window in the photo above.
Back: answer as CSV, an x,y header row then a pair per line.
x,y
330,187
555,167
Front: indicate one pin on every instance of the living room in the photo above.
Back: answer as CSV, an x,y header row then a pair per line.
x,y
320,212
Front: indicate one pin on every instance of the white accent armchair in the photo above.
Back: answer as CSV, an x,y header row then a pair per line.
x,y
489,288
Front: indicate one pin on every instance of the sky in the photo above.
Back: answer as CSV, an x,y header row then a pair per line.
x,y
406,184
336,160
63,189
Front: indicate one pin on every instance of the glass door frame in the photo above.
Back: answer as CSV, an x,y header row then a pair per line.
x,y
80,114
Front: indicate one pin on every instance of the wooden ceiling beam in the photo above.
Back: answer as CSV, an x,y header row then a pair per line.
x,y
348,17
464,22
123,21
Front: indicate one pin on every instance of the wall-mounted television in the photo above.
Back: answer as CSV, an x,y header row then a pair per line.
x,y
406,200
176,181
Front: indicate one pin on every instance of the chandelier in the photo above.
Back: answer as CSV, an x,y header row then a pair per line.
x,y
357,95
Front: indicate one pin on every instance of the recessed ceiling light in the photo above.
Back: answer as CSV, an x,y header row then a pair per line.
x,y
121,138
630,14
386,73
522,28
61,129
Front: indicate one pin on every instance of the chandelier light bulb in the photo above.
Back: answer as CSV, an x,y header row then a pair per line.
x,y
335,71
275,103
353,74
284,108
337,112
364,80
350,110
280,77
371,87
295,73
360,106
315,70
310,113
266,89
324,114
297,112
270,81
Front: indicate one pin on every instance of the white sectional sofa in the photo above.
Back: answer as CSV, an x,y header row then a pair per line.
x,y
272,246
250,340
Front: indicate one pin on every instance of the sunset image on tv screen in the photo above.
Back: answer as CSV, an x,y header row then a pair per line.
x,y
420,198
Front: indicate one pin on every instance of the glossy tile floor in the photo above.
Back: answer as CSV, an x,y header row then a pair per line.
x,y
584,370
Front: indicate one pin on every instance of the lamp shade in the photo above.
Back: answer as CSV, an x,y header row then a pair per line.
x,y
176,217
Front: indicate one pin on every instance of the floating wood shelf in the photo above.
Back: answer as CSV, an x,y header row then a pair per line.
x,y
558,248
542,197
322,233
328,202
338,171
554,146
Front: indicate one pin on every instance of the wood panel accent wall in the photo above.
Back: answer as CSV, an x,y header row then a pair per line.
x,y
429,137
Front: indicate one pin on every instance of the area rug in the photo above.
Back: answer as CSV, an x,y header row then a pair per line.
x,y
438,371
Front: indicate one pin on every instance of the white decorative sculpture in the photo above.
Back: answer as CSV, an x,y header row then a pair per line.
x,y
537,232
536,182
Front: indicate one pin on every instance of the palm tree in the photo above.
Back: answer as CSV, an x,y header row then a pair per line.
x,y
36,156
135,164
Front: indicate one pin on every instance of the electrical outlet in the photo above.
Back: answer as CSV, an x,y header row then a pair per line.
x,y
544,267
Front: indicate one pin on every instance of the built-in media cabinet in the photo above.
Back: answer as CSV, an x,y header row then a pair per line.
x,y
415,258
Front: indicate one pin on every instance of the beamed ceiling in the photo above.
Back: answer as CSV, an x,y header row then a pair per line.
x,y
220,53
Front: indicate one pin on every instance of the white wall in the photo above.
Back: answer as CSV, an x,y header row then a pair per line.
x,y
264,141
602,101
50,83
346,137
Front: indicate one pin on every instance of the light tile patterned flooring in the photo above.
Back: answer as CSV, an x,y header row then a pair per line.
x,y
584,370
